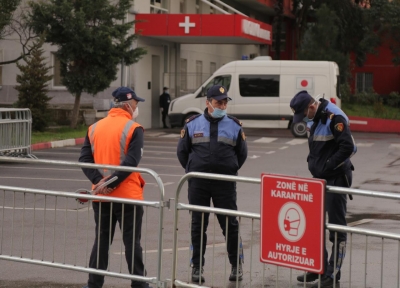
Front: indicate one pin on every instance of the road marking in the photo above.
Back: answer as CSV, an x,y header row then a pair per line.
x,y
364,144
283,147
359,222
161,152
297,141
154,134
270,152
396,146
253,157
171,136
170,249
265,140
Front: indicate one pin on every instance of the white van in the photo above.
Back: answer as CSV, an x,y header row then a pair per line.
x,y
261,91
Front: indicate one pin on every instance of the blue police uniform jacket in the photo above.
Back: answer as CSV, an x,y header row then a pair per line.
x,y
212,145
330,141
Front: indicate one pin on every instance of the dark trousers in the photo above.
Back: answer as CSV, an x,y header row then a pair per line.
x,y
164,114
106,213
222,198
336,207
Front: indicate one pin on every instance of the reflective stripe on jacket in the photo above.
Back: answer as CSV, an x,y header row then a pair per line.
x,y
109,139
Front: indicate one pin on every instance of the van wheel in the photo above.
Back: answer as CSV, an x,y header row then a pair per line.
x,y
299,129
187,117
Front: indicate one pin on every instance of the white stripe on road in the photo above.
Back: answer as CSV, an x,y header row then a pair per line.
x,y
265,140
364,144
359,222
396,146
171,136
270,152
283,147
297,141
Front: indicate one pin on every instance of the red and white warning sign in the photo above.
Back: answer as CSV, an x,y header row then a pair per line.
x,y
304,83
292,222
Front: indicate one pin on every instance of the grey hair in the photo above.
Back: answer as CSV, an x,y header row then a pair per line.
x,y
118,104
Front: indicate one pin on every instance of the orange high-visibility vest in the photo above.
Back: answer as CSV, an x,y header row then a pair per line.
x,y
110,138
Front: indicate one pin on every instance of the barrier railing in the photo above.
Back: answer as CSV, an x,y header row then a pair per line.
x,y
15,132
46,208
257,274
373,257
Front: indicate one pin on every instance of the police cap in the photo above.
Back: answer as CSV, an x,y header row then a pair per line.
x,y
299,104
123,93
218,92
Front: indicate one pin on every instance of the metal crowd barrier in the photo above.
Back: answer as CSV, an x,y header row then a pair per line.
x,y
357,270
15,132
59,216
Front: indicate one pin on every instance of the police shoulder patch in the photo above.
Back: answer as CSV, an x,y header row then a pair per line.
x,y
330,115
191,118
236,120
183,131
339,127
243,136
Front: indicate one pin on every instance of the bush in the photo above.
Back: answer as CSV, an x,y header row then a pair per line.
x,y
367,97
393,99
345,93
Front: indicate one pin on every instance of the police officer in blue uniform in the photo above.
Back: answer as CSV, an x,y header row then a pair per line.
x,y
213,142
331,146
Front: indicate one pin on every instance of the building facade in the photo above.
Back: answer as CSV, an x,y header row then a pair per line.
x,y
186,41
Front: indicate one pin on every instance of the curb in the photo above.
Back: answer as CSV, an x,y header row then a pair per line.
x,y
364,124
56,144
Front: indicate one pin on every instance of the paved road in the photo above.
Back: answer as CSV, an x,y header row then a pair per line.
x,y
274,151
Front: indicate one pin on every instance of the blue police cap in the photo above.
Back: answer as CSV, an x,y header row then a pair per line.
x,y
299,104
218,92
123,93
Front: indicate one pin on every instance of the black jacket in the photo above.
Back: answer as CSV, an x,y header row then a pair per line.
x,y
330,157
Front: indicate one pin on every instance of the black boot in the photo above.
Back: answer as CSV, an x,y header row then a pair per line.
x,y
307,277
196,274
236,273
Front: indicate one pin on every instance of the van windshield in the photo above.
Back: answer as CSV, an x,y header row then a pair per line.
x,y
224,80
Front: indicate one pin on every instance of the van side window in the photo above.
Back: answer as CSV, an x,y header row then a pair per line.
x,y
259,85
224,80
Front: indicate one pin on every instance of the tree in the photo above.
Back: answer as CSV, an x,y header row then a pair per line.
x,y
13,21
320,45
92,40
32,87
353,24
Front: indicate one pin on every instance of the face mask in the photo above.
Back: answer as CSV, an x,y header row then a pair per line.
x,y
218,113
134,113
306,119
166,91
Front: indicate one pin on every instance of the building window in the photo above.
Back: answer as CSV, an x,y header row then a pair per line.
x,y
259,85
283,37
199,73
182,6
364,82
57,79
213,67
183,74
158,7
198,8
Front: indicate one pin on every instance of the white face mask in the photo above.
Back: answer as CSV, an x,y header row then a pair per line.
x,y
134,113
